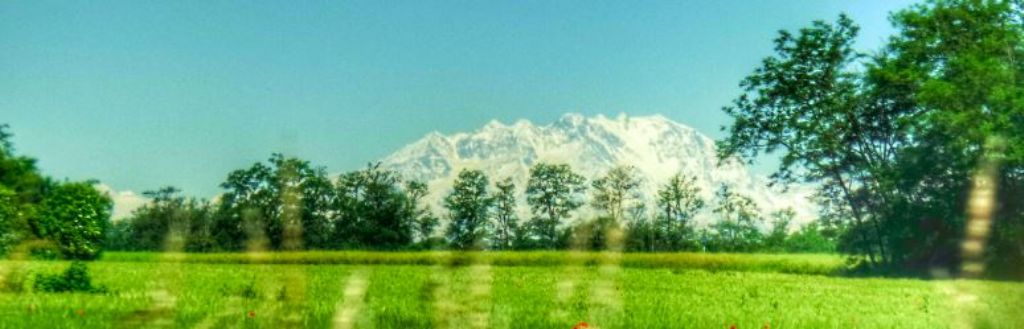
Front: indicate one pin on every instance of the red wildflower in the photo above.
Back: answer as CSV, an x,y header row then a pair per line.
x,y
251,314
581,325
732,326
80,312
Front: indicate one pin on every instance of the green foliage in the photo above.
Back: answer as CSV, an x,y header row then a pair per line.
x,y
424,221
616,194
617,191
469,205
168,222
285,202
776,238
642,235
737,229
894,139
19,173
285,205
74,279
506,221
553,192
119,236
372,210
21,190
9,217
809,239
678,201
594,234
75,216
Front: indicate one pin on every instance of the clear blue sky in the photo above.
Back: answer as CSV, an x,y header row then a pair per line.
x,y
141,94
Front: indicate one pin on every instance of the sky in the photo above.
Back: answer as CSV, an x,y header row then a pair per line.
x,y
143,94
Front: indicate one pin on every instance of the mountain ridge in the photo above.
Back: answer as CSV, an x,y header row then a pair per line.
x,y
659,147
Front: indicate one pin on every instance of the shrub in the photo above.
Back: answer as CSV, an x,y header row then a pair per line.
x,y
74,279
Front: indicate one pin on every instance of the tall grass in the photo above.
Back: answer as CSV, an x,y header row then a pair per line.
x,y
521,297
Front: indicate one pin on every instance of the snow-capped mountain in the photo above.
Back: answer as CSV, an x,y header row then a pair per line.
x,y
657,146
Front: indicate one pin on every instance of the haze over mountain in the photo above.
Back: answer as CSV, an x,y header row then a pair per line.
x,y
657,146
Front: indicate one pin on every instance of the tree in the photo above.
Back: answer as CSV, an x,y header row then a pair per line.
x,y
168,222
119,236
506,222
469,205
810,239
75,216
553,192
777,238
19,173
805,102
617,191
615,194
679,202
424,221
372,210
286,202
22,188
956,63
738,218
151,225
897,137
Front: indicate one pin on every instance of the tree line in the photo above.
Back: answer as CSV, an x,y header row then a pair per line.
x,y
288,204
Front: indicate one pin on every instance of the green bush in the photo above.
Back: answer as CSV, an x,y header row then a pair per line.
x,y
74,279
44,251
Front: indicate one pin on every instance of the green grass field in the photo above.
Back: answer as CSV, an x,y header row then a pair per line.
x,y
499,290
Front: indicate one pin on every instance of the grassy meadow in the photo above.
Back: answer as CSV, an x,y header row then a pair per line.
x,y
497,290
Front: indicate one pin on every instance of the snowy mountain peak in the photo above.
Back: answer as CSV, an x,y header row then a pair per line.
x,y
572,119
656,145
493,125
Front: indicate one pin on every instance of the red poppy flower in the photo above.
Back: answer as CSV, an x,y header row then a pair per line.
x,y
581,325
251,314
732,327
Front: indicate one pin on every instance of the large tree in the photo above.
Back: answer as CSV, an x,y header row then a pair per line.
x,y
285,202
894,138
469,205
75,216
553,192
372,210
